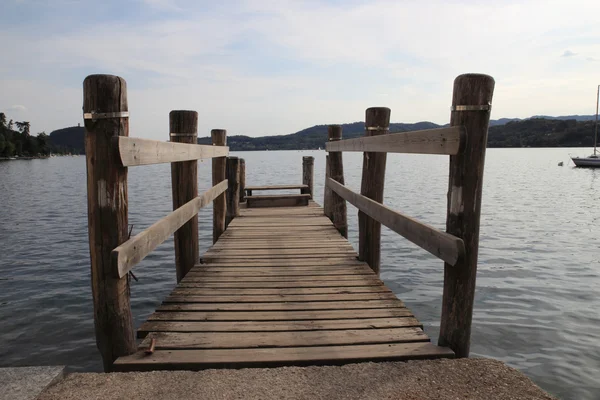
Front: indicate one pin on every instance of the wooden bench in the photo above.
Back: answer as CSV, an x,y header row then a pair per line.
x,y
249,189
277,200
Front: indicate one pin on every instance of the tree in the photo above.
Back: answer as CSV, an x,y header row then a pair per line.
x,y
2,143
43,141
23,127
9,150
2,121
10,125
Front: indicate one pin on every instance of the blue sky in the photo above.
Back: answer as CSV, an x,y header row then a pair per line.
x,y
277,66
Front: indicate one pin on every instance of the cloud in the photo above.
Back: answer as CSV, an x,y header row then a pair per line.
x,y
17,108
295,64
591,59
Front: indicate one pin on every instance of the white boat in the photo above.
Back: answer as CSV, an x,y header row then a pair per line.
x,y
592,161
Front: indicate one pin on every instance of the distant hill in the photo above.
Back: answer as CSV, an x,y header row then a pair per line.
x,y
309,138
505,132
542,132
503,121
70,140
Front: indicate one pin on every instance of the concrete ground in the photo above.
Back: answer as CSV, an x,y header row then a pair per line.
x,y
440,379
26,383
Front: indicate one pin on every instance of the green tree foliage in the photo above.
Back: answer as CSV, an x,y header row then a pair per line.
x,y
20,143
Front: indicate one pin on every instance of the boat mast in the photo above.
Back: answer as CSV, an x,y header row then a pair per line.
x,y
596,126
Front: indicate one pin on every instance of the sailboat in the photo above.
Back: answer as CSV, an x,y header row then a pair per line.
x,y
592,161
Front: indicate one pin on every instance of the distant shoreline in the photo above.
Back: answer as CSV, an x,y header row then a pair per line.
x,y
37,157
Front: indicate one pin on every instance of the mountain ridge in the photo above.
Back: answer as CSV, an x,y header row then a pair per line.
x,y
543,131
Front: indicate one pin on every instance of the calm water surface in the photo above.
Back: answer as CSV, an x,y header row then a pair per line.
x,y
538,285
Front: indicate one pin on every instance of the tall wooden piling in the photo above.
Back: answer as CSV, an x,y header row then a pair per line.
x,y
327,192
219,171
233,189
242,180
105,98
336,172
471,102
308,166
183,127
377,122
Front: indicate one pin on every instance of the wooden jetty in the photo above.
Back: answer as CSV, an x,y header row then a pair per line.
x,y
281,284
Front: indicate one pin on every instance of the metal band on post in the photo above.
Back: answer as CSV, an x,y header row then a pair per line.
x,y
96,115
377,128
182,134
483,107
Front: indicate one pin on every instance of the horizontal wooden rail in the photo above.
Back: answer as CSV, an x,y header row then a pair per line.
x,y
135,151
135,249
448,141
441,244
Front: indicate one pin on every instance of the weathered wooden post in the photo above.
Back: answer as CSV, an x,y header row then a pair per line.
x,y
336,172
233,189
106,117
242,180
308,167
183,126
377,122
327,192
471,105
219,171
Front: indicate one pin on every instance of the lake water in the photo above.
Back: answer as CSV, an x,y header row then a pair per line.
x,y
538,284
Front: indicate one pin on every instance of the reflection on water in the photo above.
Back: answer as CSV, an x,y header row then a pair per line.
x,y
537,286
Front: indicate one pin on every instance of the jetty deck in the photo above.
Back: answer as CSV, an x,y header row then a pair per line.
x,y
281,284
280,287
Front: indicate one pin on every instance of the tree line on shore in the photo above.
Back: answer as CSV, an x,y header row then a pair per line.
x,y
16,140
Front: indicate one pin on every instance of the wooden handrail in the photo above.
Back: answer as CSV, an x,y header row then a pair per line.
x,y
136,151
130,253
447,141
441,244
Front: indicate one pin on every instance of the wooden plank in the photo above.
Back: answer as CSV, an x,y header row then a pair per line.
x,y
288,306
264,245
229,258
441,244
322,355
280,285
370,324
277,298
138,247
272,222
320,262
245,340
292,280
287,315
278,253
276,187
220,291
283,272
136,151
286,200
447,141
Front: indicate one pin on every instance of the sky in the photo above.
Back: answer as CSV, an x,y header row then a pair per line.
x,y
271,67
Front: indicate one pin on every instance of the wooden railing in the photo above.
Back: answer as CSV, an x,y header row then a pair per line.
x,y
465,142
109,152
